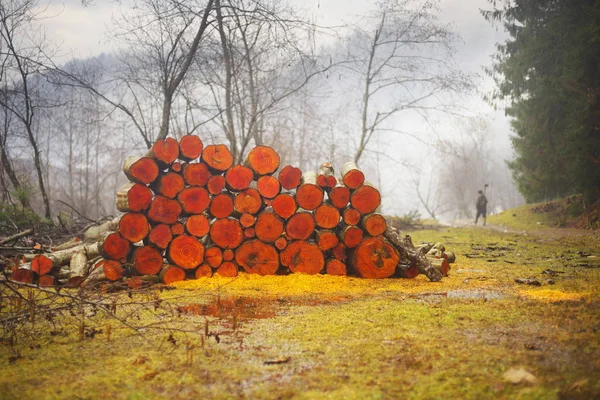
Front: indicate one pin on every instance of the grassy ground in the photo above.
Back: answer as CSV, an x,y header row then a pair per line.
x,y
477,334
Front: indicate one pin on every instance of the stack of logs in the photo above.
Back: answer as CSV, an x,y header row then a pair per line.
x,y
190,212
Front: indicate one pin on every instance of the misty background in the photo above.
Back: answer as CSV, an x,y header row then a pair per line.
x,y
289,74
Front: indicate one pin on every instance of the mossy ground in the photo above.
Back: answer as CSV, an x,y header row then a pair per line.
x,y
313,337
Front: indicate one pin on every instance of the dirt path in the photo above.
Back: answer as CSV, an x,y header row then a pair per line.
x,y
543,231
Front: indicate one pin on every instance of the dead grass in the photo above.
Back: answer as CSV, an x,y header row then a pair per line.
x,y
313,337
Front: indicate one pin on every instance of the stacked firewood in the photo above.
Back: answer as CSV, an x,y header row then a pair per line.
x,y
190,212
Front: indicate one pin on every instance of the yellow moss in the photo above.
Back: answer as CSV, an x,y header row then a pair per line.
x,y
554,295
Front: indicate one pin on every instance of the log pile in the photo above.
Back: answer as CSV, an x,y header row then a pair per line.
x,y
189,212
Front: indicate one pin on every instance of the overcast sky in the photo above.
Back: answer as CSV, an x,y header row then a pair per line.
x,y
83,32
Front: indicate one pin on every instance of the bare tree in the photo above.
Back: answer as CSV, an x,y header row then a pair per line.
x,y
262,61
403,57
23,60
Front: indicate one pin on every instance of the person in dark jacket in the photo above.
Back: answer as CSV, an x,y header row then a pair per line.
x,y
481,206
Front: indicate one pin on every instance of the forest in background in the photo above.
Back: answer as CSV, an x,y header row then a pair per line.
x,y
248,73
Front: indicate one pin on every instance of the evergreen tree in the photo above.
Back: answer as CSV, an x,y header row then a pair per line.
x,y
549,72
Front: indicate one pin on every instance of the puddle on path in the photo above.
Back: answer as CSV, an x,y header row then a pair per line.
x,y
249,308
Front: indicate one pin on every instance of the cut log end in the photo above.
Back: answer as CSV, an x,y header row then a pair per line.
x,y
304,257
268,227
228,270
238,178
166,151
171,274
147,260
226,233
300,226
142,170
263,160
190,147
41,265
309,196
257,257
336,267
290,177
134,227
196,174
217,157
374,258
186,252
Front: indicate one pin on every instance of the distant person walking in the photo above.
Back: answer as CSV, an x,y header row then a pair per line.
x,y
481,206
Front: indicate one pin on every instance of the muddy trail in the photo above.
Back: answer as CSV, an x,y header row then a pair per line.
x,y
516,318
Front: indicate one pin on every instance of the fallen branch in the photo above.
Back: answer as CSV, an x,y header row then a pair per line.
x,y
16,236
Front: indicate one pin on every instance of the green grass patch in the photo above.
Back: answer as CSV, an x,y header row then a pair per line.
x,y
313,337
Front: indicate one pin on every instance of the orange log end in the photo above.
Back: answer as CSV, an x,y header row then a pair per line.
x,y
249,233
268,186
216,184
138,197
351,216
169,185
281,243
228,270
248,201
410,272
41,264
46,281
263,160
213,256
228,255
290,177
327,216
196,174
374,224
190,147
340,252
247,220
194,200
134,227
327,240
226,233
166,151
351,236
186,252
217,157
147,260
284,205
197,225
365,199
112,269
221,206
339,196
163,210
257,257
336,267
203,271
309,196
176,167
177,229
354,178
22,275
300,226
144,170
115,247
238,178
374,258
268,226
160,236
302,256
171,273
